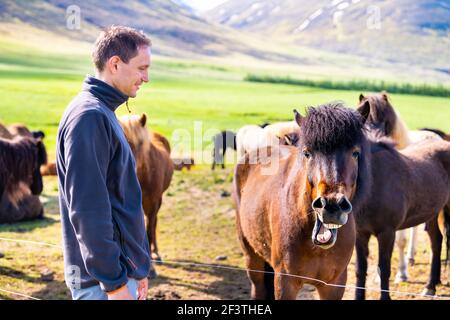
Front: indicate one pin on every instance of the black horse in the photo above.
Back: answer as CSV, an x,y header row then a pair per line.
x,y
222,141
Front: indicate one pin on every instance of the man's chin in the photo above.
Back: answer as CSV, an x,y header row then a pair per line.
x,y
132,94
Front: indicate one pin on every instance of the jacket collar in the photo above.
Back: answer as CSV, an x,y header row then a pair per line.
x,y
109,95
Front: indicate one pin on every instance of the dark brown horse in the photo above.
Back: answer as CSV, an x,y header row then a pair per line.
x,y
20,161
154,170
296,217
22,204
409,187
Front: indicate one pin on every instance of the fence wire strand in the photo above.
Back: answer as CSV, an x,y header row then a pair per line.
x,y
171,262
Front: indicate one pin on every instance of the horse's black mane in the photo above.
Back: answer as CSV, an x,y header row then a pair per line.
x,y
330,127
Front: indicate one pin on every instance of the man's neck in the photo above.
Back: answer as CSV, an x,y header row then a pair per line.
x,y
104,78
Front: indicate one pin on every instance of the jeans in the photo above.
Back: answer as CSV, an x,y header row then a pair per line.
x,y
96,293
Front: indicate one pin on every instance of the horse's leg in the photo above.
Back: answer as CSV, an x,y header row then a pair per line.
x,y
146,204
223,157
253,261
331,292
435,236
257,279
362,253
386,240
213,166
412,244
286,287
400,240
154,244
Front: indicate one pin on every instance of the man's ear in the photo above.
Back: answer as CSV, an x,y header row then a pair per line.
x,y
364,110
298,117
143,119
112,63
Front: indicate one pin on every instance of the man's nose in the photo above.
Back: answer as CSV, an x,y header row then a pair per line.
x,y
145,77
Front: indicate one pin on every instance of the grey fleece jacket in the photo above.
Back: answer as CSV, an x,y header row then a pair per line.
x,y
99,194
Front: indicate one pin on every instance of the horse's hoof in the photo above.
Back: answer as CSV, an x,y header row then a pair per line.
x,y
429,292
152,274
411,262
399,278
156,259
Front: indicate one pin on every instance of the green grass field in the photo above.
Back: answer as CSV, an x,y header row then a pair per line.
x,y
196,224
180,94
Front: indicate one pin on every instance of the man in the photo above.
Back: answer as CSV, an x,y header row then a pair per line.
x,y
106,253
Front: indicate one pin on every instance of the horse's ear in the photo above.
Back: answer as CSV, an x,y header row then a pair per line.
x,y
38,134
298,117
364,110
143,119
384,94
361,97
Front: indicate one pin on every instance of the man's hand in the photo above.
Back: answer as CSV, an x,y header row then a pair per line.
x,y
121,294
142,289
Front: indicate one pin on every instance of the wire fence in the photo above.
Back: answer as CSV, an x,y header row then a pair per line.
x,y
216,266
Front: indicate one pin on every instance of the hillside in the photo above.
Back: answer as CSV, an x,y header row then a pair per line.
x,y
401,31
35,34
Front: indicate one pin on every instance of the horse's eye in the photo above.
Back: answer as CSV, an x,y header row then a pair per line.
x,y
307,154
356,154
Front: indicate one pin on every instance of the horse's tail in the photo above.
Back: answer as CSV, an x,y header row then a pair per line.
x,y
269,281
437,131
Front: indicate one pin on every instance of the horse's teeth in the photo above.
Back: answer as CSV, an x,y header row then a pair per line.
x,y
332,226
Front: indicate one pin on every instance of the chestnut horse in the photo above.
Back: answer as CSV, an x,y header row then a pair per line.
x,y
297,220
154,170
410,187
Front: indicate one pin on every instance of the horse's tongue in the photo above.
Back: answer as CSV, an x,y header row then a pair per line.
x,y
324,234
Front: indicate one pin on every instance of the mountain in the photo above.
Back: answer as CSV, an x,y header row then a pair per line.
x,y
277,37
173,26
401,31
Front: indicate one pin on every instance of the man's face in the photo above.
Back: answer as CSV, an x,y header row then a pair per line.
x,y
130,76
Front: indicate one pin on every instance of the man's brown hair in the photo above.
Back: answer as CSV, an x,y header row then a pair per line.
x,y
120,41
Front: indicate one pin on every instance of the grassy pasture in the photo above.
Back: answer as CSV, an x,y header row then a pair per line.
x,y
196,224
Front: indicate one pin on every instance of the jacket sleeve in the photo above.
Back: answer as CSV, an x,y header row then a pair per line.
x,y
87,153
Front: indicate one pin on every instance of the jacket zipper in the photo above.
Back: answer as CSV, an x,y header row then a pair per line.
x,y
122,247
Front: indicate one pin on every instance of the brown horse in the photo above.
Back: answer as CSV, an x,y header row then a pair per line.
x,y
154,169
22,204
409,187
20,160
297,220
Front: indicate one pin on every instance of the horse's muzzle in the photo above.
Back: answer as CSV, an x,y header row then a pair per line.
x,y
330,216
332,211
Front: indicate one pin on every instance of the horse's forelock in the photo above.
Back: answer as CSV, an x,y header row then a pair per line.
x,y
331,127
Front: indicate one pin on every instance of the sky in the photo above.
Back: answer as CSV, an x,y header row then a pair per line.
x,y
203,5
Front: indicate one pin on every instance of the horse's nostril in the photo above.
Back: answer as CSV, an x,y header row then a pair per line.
x,y
319,203
345,205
